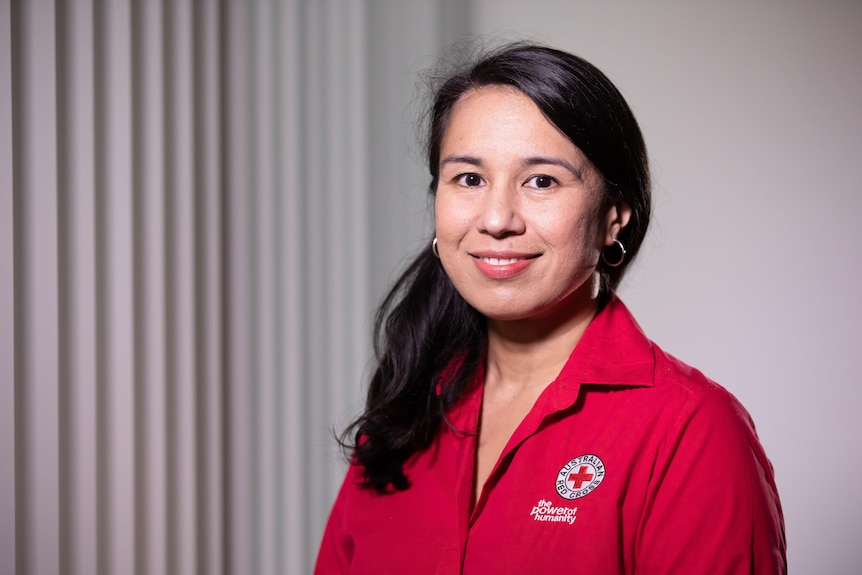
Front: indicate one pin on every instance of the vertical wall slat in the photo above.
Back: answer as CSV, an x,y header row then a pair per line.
x,y
237,289
76,161
262,188
117,417
7,301
36,271
348,395
210,520
315,376
336,49
180,257
346,64
292,430
151,298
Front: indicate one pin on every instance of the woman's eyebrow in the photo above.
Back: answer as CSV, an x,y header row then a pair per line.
x,y
472,160
541,160
531,161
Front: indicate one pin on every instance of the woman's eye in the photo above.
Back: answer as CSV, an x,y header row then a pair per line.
x,y
541,182
470,180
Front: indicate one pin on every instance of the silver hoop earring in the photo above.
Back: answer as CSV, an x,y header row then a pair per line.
x,y
434,249
617,254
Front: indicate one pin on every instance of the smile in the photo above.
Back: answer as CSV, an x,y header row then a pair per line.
x,y
501,261
503,268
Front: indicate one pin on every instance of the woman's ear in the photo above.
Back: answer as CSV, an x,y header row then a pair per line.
x,y
618,217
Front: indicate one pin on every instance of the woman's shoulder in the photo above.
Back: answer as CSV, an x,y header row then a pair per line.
x,y
693,387
704,415
674,382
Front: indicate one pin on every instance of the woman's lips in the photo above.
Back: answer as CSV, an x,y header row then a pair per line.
x,y
502,266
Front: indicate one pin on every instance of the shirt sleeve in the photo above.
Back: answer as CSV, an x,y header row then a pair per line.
x,y
712,503
333,557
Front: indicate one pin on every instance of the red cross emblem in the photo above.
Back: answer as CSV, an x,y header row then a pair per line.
x,y
580,477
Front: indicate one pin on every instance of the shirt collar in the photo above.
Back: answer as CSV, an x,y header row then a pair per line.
x,y
613,351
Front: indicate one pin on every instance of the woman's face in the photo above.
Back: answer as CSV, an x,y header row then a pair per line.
x,y
520,216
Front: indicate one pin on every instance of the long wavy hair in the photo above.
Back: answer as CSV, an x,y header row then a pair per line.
x,y
428,341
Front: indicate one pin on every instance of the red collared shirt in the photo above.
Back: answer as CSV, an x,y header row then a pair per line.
x,y
629,462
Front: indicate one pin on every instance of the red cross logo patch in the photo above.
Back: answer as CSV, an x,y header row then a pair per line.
x,y
580,476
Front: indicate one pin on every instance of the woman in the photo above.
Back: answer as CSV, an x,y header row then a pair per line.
x,y
518,420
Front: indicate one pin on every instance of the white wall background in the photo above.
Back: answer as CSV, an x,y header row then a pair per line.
x,y
753,266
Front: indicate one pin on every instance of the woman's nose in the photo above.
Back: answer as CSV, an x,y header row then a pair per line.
x,y
501,212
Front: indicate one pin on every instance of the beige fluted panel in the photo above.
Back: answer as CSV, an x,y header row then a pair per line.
x,y
209,250
181,336
334,195
294,548
7,301
152,330
296,251
336,328
116,288
79,480
264,193
238,471
36,290
112,425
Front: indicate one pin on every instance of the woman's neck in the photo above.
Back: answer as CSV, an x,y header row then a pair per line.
x,y
528,354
